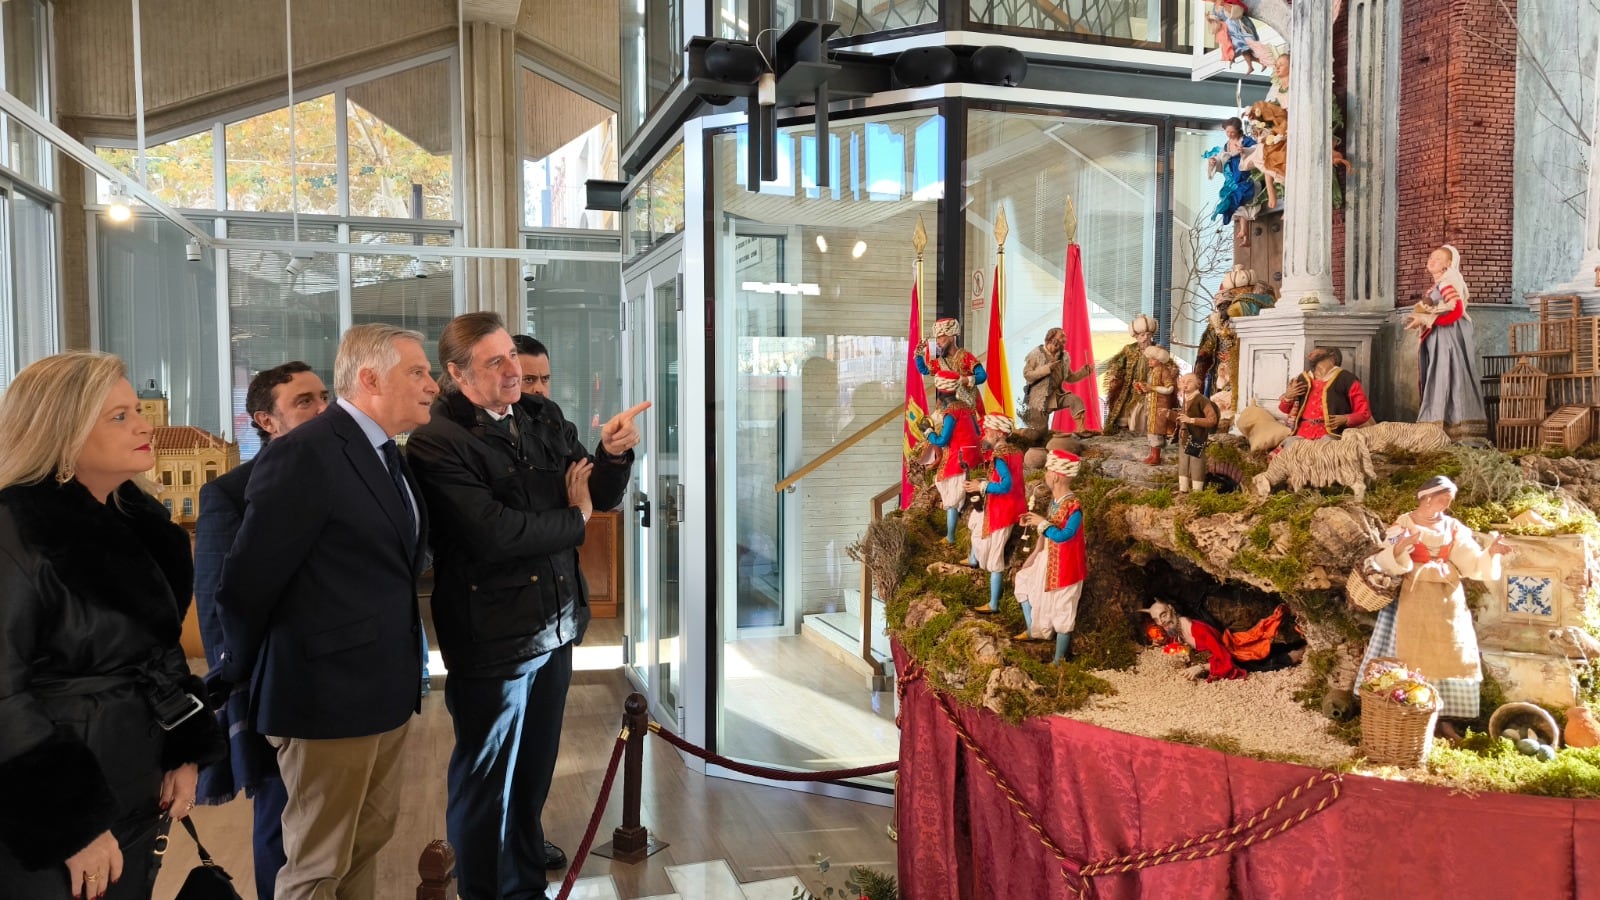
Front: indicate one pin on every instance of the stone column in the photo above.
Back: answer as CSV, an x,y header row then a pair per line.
x,y
1308,209
1371,207
493,210
1586,282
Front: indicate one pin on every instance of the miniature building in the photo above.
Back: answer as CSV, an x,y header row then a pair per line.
x,y
186,458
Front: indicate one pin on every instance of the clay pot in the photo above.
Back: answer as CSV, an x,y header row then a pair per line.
x,y
1582,730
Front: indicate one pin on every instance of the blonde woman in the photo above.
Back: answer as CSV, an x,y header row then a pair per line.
x,y
101,730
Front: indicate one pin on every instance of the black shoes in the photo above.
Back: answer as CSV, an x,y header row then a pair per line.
x,y
554,857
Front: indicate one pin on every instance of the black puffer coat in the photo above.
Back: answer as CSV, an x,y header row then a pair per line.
x,y
92,598
506,585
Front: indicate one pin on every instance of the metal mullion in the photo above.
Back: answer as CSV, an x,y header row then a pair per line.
x,y
341,152
219,165
219,227
345,314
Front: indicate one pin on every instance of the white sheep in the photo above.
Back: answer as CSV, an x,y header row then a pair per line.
x,y
1344,460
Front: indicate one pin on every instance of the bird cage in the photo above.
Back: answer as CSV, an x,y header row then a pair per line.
x,y
1566,429
1522,406
1565,306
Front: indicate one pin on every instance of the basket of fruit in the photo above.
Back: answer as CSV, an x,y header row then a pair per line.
x,y
1399,710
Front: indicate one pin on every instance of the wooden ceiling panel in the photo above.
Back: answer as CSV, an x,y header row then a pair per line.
x,y
552,116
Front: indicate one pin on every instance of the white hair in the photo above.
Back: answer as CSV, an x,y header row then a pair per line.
x,y
367,347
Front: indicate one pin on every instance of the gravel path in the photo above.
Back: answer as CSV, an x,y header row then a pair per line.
x,y
1155,698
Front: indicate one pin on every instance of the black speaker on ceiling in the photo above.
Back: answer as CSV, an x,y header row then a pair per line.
x,y
734,61
923,66
998,65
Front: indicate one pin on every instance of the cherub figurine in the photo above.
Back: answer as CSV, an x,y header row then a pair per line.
x,y
1236,35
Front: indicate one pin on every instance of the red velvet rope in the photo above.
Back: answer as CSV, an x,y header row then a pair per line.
x,y
762,771
594,819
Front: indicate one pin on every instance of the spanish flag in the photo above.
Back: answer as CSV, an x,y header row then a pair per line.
x,y
996,396
916,394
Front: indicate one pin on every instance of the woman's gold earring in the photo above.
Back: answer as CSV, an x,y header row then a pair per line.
x,y
65,475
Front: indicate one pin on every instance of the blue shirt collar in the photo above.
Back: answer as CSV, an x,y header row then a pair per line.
x,y
371,429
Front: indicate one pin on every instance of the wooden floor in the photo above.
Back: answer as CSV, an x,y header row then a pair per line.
x,y
762,832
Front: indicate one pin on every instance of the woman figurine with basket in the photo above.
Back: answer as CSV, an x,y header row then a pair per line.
x,y
1429,626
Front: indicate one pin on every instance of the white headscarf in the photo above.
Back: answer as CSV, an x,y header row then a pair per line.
x,y
1452,276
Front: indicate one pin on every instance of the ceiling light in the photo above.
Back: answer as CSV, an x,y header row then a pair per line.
x,y
192,251
822,243
119,211
859,250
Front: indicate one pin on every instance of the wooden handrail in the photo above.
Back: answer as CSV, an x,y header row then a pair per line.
x,y
837,449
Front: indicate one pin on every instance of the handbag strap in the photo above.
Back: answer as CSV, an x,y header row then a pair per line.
x,y
188,825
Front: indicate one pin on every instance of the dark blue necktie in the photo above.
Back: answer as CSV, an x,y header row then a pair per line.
x,y
391,458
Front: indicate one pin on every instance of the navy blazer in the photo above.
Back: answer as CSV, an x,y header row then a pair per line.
x,y
221,512
319,593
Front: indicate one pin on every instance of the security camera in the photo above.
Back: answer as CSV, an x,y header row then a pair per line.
x,y
192,252
415,268
297,264
530,271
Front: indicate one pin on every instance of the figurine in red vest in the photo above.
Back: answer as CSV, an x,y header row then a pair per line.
x,y
1005,499
1050,583
957,436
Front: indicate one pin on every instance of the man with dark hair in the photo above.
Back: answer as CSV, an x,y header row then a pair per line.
x,y
278,400
1325,399
512,490
534,359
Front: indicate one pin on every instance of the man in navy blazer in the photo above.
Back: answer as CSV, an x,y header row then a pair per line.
x,y
319,612
278,400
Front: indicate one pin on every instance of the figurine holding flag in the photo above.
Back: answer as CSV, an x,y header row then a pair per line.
x,y
916,425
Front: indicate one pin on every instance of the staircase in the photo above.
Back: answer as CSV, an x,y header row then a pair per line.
x,y
698,881
837,632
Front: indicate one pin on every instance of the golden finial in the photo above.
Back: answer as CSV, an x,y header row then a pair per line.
x,y
919,238
1001,230
1071,222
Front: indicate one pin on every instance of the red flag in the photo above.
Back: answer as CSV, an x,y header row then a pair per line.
x,y
1079,348
995,397
916,395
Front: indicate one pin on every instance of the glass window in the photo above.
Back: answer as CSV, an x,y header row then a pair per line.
x,y
864,17
572,310
258,160
567,139
186,480
276,317
1202,244
159,313
400,134
181,172
34,270
1030,165
415,292
652,57
657,205
188,502
27,41
1125,21
811,329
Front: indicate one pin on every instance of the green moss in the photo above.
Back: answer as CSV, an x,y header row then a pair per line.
x,y
1211,503
1229,745
1484,763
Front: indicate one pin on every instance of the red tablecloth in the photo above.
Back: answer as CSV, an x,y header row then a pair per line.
x,y
1101,793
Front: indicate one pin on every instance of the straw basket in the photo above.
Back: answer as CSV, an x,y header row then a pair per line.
x,y
1395,734
1369,589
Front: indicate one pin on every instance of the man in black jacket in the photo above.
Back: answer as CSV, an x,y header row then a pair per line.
x,y
511,491
278,400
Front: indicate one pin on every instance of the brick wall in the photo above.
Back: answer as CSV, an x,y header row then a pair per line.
x,y
1457,124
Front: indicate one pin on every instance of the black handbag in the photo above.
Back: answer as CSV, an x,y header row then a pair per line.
x,y
207,881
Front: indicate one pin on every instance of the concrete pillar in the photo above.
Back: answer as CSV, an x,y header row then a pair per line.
x,y
493,209
1308,209
1373,117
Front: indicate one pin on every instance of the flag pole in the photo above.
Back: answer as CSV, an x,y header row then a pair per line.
x,y
919,241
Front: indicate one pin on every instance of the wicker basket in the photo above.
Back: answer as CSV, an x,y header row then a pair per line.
x,y
1369,589
1395,734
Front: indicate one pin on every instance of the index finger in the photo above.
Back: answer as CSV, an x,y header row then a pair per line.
x,y
635,410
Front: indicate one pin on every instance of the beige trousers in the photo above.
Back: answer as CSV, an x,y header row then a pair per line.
x,y
344,799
